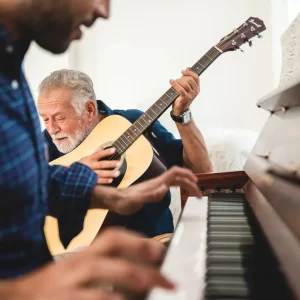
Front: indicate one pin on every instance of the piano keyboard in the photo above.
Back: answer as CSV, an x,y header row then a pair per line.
x,y
219,253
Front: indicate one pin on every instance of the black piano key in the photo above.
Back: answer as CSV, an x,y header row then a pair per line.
x,y
229,228
239,263
213,291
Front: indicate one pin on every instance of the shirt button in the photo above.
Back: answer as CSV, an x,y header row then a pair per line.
x,y
9,49
15,84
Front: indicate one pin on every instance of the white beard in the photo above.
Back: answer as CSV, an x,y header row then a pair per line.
x,y
70,143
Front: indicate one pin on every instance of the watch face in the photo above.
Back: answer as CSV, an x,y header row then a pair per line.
x,y
186,118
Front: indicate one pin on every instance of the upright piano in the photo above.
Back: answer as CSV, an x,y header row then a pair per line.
x,y
242,239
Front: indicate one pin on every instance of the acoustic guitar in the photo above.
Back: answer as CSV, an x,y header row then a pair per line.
x,y
130,142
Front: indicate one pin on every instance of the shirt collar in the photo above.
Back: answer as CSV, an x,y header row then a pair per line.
x,y
103,108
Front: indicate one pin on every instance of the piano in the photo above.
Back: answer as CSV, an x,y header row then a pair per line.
x,y
242,239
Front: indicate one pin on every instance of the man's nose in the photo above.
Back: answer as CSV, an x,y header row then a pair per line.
x,y
52,127
102,9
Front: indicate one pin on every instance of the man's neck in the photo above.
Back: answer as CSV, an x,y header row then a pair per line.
x,y
8,16
101,117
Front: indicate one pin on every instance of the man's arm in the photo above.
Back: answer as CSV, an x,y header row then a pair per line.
x,y
195,154
73,191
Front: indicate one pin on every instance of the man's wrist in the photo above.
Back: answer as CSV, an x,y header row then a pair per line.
x,y
183,118
178,112
104,197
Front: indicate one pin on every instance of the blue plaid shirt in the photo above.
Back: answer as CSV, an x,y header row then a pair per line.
x,y
29,188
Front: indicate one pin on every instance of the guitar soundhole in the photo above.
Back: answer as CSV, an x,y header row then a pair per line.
x,y
122,168
115,156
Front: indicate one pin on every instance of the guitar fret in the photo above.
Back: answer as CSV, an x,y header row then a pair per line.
x,y
137,122
162,100
154,112
123,137
160,104
148,118
128,136
167,99
208,57
120,147
140,123
115,144
134,131
150,114
203,66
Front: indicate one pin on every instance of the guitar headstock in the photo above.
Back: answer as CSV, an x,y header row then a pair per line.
x,y
251,28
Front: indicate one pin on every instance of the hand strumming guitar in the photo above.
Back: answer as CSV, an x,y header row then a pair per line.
x,y
101,167
130,200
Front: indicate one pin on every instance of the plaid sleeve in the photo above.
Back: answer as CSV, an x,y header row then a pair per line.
x,y
69,198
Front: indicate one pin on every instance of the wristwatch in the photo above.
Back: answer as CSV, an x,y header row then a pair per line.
x,y
184,118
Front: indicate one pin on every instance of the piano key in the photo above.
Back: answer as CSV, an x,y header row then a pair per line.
x,y
218,252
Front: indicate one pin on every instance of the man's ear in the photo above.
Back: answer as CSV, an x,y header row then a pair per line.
x,y
91,108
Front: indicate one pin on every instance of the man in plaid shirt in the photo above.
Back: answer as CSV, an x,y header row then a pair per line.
x,y
30,189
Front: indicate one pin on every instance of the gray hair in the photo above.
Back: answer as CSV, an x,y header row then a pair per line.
x,y
79,82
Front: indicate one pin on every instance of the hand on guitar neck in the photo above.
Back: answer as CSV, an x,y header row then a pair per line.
x,y
188,88
130,200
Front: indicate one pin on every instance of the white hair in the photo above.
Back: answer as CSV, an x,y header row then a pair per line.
x,y
79,82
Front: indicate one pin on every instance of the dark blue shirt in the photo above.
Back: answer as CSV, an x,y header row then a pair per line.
x,y
29,188
154,218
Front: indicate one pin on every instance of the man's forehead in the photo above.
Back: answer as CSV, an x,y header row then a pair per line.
x,y
57,99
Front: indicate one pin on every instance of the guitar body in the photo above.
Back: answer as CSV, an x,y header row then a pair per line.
x,y
138,163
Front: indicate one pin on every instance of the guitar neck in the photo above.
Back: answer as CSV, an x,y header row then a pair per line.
x,y
160,106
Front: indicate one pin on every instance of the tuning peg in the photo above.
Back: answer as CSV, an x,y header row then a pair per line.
x,y
259,36
250,43
241,49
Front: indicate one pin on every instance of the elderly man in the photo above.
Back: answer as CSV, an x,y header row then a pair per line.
x,y
30,189
67,104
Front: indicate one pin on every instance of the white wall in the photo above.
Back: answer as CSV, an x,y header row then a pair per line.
x,y
39,63
132,56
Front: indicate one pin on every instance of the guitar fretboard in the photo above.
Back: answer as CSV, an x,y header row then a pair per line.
x,y
160,106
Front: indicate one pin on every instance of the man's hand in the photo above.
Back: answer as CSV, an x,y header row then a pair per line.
x,y
130,200
188,88
94,162
116,257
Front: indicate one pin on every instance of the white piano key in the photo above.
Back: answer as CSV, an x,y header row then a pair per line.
x,y
185,262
